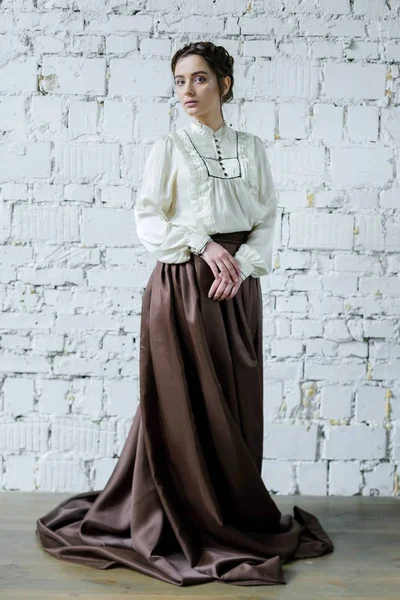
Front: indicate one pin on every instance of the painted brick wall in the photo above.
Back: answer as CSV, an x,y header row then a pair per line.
x,y
84,92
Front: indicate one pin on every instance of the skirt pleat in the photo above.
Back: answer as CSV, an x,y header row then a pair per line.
x,y
186,502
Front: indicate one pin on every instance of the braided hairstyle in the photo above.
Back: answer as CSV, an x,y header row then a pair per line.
x,y
217,57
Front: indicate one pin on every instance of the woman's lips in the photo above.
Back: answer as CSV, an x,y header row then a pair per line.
x,y
191,102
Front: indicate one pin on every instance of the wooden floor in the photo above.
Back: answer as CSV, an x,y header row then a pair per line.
x,y
365,563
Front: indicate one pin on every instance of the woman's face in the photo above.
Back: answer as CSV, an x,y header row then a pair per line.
x,y
194,80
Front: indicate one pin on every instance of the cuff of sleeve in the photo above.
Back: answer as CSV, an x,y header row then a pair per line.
x,y
197,242
245,266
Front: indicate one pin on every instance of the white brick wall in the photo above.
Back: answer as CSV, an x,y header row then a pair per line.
x,y
83,95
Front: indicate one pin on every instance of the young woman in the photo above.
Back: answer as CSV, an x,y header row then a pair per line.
x,y
186,502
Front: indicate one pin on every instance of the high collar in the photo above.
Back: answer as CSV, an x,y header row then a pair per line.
x,y
207,131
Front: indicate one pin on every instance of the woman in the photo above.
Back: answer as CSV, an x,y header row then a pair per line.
x,y
186,502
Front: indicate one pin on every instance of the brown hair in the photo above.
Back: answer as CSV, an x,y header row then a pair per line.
x,y
217,57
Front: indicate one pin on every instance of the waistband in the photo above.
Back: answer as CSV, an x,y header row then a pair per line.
x,y
234,236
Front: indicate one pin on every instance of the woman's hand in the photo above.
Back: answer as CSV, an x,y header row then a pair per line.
x,y
220,290
228,279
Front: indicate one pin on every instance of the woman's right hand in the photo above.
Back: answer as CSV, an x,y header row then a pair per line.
x,y
221,262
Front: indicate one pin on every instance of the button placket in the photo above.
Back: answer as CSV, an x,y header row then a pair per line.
x,y
220,157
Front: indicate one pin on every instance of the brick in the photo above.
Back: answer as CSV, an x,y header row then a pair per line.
x,y
335,371
359,442
290,442
273,397
12,113
326,49
285,78
392,240
313,478
113,227
379,481
310,26
82,436
293,120
294,166
74,365
317,347
305,328
390,198
100,322
45,223
370,403
293,303
54,276
5,222
118,119
87,396
259,48
362,50
380,328
278,476
348,166
20,473
77,163
46,116
82,118
286,370
122,398
369,233
18,395
259,25
53,396
354,81
336,401
150,47
327,122
62,475
73,75
284,348
362,123
29,435
113,22
18,75
126,77
344,478
23,363
325,231
102,470
15,342
25,160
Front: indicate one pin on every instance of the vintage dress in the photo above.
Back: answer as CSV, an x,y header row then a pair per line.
x,y
186,503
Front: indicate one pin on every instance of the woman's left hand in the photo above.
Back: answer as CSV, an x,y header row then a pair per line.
x,y
220,290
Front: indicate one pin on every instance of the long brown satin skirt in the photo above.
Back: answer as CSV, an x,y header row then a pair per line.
x,y
186,503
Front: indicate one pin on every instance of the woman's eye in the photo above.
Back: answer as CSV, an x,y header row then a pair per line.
x,y
199,77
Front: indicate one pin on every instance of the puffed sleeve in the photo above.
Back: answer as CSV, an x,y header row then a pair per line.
x,y
168,242
255,256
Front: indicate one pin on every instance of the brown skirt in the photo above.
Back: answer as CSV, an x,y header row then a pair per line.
x,y
186,503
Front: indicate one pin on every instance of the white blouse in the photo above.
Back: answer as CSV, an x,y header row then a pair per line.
x,y
197,182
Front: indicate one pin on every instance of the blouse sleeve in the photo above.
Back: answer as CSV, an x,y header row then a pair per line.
x,y
255,256
168,242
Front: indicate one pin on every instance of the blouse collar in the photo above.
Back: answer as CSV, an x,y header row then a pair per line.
x,y
208,131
